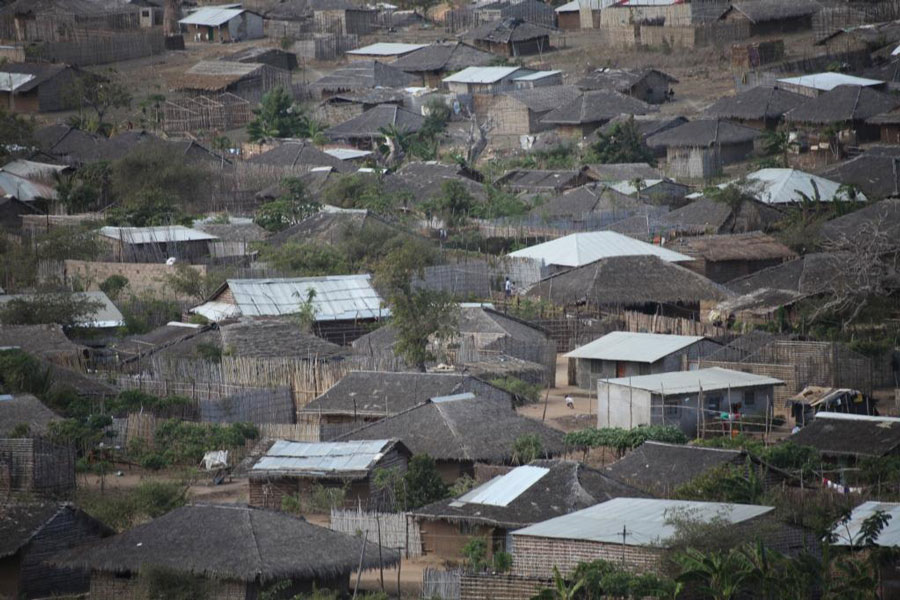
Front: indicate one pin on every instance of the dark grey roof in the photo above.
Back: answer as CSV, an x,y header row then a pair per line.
x,y
809,274
368,96
42,72
585,199
135,346
482,320
647,125
843,103
704,133
884,215
25,409
424,180
596,106
335,227
450,56
761,102
467,429
363,74
753,245
545,98
381,393
849,436
231,542
659,468
20,522
627,280
619,80
566,487
539,179
46,341
505,31
623,171
875,172
764,11
233,232
370,123
276,338
299,154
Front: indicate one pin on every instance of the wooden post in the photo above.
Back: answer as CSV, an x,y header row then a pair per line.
x,y
701,416
380,557
362,554
399,562
630,405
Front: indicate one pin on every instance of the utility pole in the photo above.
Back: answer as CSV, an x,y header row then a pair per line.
x,y
624,535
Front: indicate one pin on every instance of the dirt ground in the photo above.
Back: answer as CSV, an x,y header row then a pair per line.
x,y
557,414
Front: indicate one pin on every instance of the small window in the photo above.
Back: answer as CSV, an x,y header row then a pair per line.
x,y
713,403
145,12
749,398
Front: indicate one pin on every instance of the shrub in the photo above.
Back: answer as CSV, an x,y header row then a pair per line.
x,y
527,448
522,391
113,285
625,439
475,553
182,442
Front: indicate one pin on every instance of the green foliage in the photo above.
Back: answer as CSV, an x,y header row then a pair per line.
x,y
522,391
561,156
208,351
475,553
187,280
502,561
717,575
142,314
307,259
793,458
132,401
320,499
185,443
625,439
153,186
85,189
462,485
278,116
499,203
526,448
16,133
164,583
306,311
122,509
423,483
622,144
98,94
64,243
85,433
63,308
363,191
417,314
290,208
453,204
727,483
113,285
22,373
21,430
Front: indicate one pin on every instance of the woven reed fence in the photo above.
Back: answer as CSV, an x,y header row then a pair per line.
x,y
640,322
438,583
396,530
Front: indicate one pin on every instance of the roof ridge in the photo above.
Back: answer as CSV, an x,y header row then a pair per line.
x,y
452,427
255,543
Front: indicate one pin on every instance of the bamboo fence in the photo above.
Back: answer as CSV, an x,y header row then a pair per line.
x,y
394,530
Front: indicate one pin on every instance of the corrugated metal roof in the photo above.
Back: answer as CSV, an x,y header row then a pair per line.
x,y
537,75
217,311
691,382
155,235
212,16
575,5
30,168
889,536
580,249
628,188
321,457
24,189
502,490
453,397
636,347
347,153
852,417
10,82
826,82
645,520
337,297
784,186
387,49
481,74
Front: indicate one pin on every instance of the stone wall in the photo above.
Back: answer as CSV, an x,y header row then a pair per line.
x,y
142,277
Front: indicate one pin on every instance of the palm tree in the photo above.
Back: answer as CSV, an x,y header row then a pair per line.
x,y
396,141
562,589
719,575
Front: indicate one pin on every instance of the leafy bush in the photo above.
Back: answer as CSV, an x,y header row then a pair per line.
x,y
22,373
522,391
727,483
622,144
475,553
129,401
420,485
122,509
182,442
63,308
527,448
502,561
113,285
625,439
306,259
294,205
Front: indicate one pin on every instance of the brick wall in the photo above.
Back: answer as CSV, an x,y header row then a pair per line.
x,y
500,587
536,556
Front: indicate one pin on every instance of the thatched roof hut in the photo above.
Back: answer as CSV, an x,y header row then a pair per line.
x,y
365,129
363,75
627,281
434,60
875,172
842,435
335,226
764,104
810,274
48,342
24,409
843,104
277,337
883,216
238,546
706,215
596,107
458,431
300,156
592,198
704,133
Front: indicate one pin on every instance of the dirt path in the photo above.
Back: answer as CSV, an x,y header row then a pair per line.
x,y
558,415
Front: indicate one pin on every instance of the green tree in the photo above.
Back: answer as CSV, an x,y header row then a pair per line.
x,y
63,308
99,94
291,207
85,189
727,483
475,553
16,134
113,285
453,204
423,483
623,143
720,575
277,116
417,314
307,259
